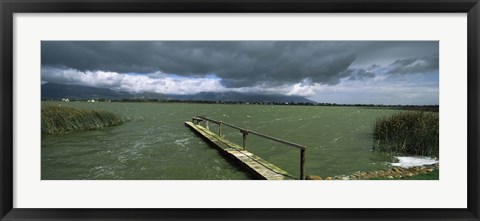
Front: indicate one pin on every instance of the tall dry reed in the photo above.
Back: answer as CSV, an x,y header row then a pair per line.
x,y
410,132
60,119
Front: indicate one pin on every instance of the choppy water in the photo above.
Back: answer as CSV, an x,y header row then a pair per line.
x,y
155,143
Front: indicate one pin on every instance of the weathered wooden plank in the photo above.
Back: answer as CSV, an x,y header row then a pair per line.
x,y
254,164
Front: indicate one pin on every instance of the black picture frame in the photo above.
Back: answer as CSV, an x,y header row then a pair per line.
x,y
9,7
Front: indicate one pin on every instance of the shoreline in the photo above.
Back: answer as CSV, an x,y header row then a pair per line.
x,y
387,174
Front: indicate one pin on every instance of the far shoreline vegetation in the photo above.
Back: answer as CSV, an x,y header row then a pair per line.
x,y
430,108
61,119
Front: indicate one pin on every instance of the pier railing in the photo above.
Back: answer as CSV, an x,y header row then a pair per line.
x,y
246,132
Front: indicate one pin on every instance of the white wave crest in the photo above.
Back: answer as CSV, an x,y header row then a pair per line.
x,y
407,162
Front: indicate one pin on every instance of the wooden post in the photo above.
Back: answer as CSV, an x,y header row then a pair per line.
x,y
220,129
206,125
302,164
244,135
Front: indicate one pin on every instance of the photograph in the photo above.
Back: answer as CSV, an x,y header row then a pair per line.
x,y
239,110
318,110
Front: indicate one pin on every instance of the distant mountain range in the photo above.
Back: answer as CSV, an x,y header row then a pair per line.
x,y
235,96
58,91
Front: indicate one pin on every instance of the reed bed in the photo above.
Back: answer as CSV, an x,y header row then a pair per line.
x,y
410,132
61,119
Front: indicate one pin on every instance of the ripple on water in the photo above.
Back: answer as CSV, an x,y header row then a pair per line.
x,y
183,143
336,139
103,172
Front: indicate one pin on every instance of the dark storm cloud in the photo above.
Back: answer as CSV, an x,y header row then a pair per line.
x,y
239,63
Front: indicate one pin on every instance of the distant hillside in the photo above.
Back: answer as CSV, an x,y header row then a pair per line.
x,y
235,96
58,91
148,95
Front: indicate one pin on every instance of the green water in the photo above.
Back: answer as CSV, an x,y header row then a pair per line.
x,y
155,143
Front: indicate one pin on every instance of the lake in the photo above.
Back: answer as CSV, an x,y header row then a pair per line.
x,y
155,144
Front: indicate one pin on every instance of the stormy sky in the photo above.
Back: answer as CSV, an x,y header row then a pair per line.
x,y
378,72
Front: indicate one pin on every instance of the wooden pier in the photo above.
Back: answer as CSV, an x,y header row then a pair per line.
x,y
257,166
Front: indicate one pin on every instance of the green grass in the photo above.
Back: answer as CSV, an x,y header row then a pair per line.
x,y
60,119
434,175
410,132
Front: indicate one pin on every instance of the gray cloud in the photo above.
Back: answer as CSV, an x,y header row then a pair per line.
x,y
419,65
386,52
359,74
241,63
